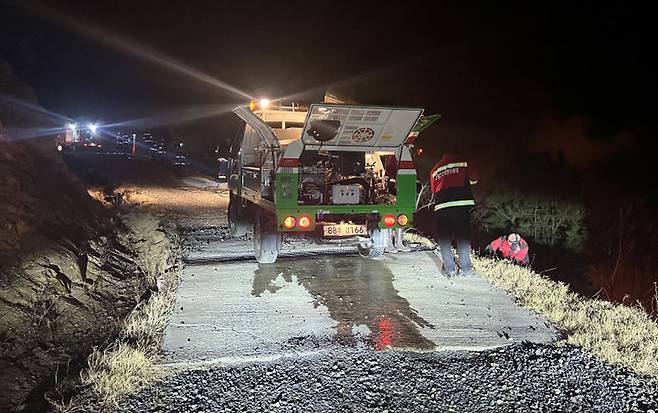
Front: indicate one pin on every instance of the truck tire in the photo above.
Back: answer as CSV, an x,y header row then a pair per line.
x,y
238,225
375,249
267,239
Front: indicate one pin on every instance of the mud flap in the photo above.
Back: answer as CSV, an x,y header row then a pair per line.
x,y
238,225
375,248
395,242
267,240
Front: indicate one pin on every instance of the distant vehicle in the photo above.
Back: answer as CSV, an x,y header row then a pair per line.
x,y
79,137
159,146
222,173
147,138
319,172
124,139
180,160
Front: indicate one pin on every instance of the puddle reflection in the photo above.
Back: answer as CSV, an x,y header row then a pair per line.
x,y
357,292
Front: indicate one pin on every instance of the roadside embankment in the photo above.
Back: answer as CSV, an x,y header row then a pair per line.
x,y
614,333
70,272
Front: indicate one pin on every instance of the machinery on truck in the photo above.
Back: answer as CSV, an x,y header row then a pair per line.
x,y
320,172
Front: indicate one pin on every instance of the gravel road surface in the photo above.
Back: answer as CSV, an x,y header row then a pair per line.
x,y
519,378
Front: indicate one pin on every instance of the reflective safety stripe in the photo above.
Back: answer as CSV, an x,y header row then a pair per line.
x,y
449,166
465,202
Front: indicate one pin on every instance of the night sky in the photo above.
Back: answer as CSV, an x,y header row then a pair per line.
x,y
492,70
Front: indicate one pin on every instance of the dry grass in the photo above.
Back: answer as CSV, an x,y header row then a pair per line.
x,y
145,326
120,370
130,363
64,407
418,239
613,332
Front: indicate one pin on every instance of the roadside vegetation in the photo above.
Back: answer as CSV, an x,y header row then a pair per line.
x,y
129,363
593,231
624,267
623,334
612,332
546,219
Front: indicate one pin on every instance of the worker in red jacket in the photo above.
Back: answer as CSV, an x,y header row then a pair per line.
x,y
451,179
511,247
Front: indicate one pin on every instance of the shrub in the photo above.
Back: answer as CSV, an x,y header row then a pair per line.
x,y
546,219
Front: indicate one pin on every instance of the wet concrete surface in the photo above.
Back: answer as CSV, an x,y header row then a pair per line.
x,y
243,310
223,248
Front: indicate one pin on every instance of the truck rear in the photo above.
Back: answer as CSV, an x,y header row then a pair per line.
x,y
342,175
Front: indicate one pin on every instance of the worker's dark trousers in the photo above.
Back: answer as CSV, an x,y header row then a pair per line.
x,y
453,224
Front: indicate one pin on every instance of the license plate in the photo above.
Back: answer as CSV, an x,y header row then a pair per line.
x,y
344,230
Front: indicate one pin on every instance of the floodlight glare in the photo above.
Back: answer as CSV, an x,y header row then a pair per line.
x,y
93,128
264,103
73,126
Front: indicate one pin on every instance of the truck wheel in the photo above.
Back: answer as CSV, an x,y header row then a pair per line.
x,y
375,249
238,226
267,239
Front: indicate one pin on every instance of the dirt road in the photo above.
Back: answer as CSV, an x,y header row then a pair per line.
x,y
342,333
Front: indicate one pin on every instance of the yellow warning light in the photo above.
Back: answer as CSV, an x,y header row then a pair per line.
x,y
260,104
289,222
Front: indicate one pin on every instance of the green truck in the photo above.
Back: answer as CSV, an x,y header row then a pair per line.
x,y
334,173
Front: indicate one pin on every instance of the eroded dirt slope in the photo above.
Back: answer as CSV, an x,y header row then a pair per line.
x,y
70,270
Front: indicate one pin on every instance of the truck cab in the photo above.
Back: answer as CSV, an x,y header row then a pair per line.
x,y
333,173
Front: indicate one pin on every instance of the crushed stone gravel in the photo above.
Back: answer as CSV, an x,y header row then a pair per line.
x,y
518,378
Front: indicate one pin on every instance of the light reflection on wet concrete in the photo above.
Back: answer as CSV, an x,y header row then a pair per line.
x,y
246,309
357,292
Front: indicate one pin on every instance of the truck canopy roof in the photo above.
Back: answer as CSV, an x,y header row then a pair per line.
x,y
348,127
336,127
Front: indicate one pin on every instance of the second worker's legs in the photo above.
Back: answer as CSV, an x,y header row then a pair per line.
x,y
464,252
445,248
